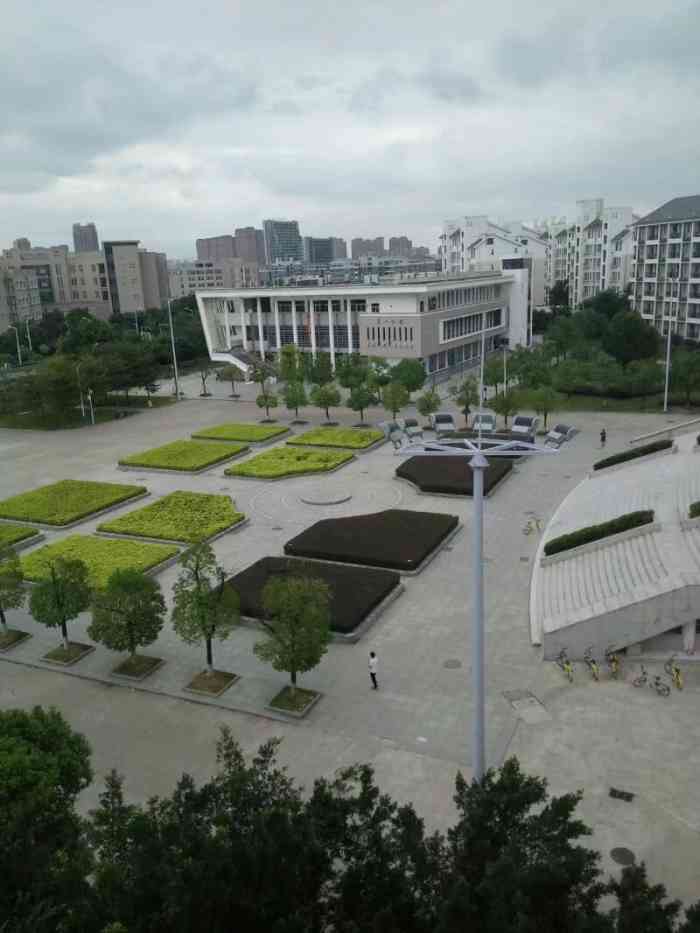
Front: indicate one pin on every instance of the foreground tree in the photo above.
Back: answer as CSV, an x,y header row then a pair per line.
x,y
360,398
395,397
231,374
505,404
428,403
291,364
12,592
297,624
205,608
410,373
295,397
205,371
57,600
352,370
544,401
629,337
465,394
267,400
128,613
325,397
559,294
493,372
685,373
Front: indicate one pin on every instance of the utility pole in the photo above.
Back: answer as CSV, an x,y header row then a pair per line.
x,y
172,347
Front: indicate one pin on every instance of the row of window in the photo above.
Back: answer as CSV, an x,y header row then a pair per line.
x,y
469,324
323,337
456,297
673,231
466,353
390,335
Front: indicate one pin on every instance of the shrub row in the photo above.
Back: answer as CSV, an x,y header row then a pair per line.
x,y
694,511
652,448
181,516
596,532
66,501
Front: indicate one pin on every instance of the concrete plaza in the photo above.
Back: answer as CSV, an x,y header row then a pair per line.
x,y
415,729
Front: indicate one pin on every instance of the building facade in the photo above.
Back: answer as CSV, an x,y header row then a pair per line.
x,y
666,269
400,246
340,248
439,320
85,239
216,247
19,297
318,250
250,245
282,241
187,277
360,247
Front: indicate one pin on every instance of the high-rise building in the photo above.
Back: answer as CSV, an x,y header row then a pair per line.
x,y
282,240
187,277
400,246
250,245
666,270
85,239
318,250
19,296
361,247
216,247
340,248
138,278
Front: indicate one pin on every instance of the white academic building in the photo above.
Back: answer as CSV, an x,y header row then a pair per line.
x,y
439,320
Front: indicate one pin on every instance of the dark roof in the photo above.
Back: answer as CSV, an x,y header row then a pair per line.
x,y
677,209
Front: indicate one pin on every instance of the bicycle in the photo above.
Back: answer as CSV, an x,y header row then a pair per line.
x,y
612,659
662,689
565,664
674,672
532,525
592,663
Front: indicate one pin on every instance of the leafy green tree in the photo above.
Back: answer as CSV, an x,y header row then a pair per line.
x,y
640,905
559,294
561,335
493,372
267,400
465,394
428,403
205,371
360,398
12,593
544,402
291,366
62,596
395,396
685,373
82,332
325,397
629,337
295,397
128,612
319,370
608,303
352,370
410,373
567,377
55,386
506,404
204,608
590,324
379,373
297,624
231,374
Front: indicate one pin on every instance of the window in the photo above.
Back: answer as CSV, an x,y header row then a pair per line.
x,y
375,307
489,241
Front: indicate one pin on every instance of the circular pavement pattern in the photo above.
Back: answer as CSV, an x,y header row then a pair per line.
x,y
289,502
622,856
326,494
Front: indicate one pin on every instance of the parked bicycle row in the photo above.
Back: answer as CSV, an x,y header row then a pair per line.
x,y
613,663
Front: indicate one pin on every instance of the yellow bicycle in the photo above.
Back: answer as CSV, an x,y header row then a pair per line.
x,y
674,672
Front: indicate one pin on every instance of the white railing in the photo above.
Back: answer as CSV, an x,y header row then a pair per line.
x,y
671,427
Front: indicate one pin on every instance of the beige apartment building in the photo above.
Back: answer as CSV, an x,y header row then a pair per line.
x,y
19,297
187,277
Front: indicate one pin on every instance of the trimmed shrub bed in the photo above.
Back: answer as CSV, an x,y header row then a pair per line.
x,y
351,438
397,539
188,456
450,475
694,510
354,591
596,532
653,448
181,516
248,433
66,501
286,461
101,555
11,534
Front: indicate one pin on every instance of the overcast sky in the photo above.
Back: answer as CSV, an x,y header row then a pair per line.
x,y
169,121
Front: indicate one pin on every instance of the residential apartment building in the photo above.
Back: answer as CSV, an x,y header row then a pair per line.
x,y
187,277
340,248
360,247
250,245
282,240
19,297
85,239
318,250
137,278
439,320
666,268
400,246
216,247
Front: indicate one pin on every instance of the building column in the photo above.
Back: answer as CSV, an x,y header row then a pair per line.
x,y
312,327
331,332
295,332
348,318
244,332
261,335
277,324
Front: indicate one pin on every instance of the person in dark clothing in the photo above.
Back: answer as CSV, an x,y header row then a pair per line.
x,y
603,437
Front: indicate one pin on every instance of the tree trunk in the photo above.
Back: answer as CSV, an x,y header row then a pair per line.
x,y
362,414
210,657
132,646
328,417
64,634
293,677
3,620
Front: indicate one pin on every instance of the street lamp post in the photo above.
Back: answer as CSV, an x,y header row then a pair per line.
x,y
19,346
29,336
80,389
172,347
668,364
92,409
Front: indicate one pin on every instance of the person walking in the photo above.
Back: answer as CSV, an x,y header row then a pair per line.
x,y
603,437
372,664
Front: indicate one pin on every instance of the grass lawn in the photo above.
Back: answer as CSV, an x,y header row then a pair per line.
x,y
352,438
288,461
66,501
248,433
74,652
184,455
101,555
11,534
181,516
137,666
293,703
12,637
213,683
36,421
650,403
138,401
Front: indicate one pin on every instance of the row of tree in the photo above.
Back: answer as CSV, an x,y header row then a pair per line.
x,y
129,611
250,850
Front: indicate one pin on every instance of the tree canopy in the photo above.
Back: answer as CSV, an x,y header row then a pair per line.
x,y
62,596
12,592
128,613
395,396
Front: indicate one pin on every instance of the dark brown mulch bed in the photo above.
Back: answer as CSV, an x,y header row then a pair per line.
x,y
395,538
451,475
354,591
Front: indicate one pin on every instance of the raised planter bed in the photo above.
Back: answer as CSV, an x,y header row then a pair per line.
x,y
68,502
359,439
297,707
395,539
211,684
12,638
65,657
137,667
357,594
184,456
283,462
12,535
590,533
451,476
182,517
244,433
635,453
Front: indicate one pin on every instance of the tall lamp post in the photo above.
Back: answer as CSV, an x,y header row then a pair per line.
x,y
29,336
19,346
80,389
668,364
172,347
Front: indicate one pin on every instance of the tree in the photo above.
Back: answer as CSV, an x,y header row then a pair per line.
x,y
318,370
609,302
379,373
629,337
325,397
493,372
506,404
267,400
590,324
561,335
641,906
297,610
231,374
428,403
544,401
685,372
128,613
295,397
360,398
465,395
204,606
395,397
205,371
62,596
12,593
291,367
410,373
352,370
559,294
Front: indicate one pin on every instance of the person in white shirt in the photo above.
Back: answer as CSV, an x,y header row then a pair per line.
x,y
373,664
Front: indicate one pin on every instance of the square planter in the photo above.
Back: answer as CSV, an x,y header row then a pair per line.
x,y
12,638
211,685
312,697
66,657
138,668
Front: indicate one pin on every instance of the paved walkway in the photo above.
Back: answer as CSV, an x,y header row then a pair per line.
x,y
415,729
